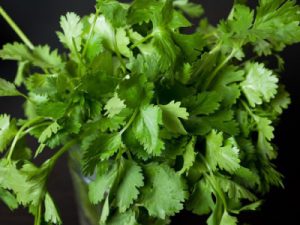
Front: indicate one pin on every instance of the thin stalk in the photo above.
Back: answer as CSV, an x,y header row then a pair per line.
x,y
33,128
61,151
37,220
215,72
16,28
249,110
119,54
90,32
142,41
213,182
19,135
129,122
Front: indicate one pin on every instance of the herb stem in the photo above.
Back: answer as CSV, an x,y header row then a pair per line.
x,y
129,122
119,54
142,41
215,72
213,182
16,28
19,135
249,110
37,220
90,32
61,151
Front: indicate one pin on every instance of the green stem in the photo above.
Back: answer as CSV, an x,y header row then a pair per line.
x,y
37,220
119,54
61,151
15,27
90,32
19,135
249,110
213,182
142,41
129,122
215,72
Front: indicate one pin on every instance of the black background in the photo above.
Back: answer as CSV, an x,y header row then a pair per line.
x,y
39,19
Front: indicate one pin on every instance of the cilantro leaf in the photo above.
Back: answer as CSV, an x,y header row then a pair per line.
x,y
201,201
49,131
114,11
191,9
104,181
8,89
165,193
55,110
120,218
15,51
260,84
128,187
188,156
72,30
234,190
7,131
204,103
226,157
146,129
101,148
8,198
51,214
114,106
222,121
170,116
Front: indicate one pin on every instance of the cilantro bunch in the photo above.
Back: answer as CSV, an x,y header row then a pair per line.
x,y
163,120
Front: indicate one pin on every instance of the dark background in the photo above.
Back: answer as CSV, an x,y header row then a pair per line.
x,y
39,19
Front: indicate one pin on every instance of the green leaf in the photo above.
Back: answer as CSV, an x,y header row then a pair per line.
x,y
9,199
164,192
277,22
100,187
281,101
129,186
42,57
189,156
191,9
94,47
105,211
127,218
101,148
114,11
55,110
8,89
49,131
114,106
136,91
7,131
171,114
227,85
228,219
225,156
201,201
260,84
51,214
72,29
264,126
15,51
146,129
28,183
122,42
222,120
204,103
234,190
